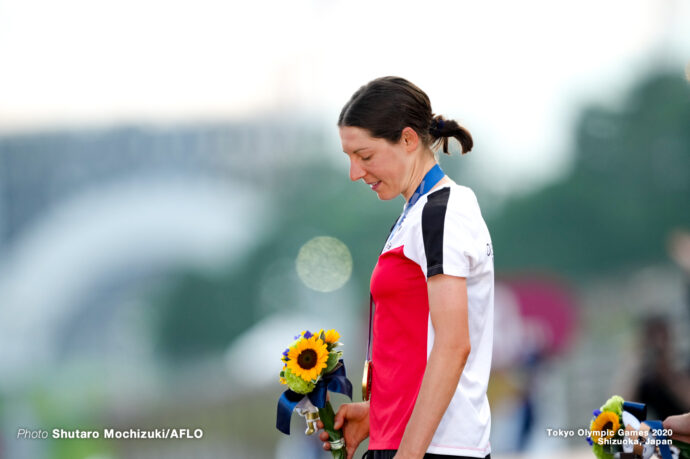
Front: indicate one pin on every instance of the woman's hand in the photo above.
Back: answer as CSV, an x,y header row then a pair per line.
x,y
680,425
353,419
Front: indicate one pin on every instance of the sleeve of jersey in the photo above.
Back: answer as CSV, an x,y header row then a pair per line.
x,y
448,242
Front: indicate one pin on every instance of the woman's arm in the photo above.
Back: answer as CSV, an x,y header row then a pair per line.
x,y
448,310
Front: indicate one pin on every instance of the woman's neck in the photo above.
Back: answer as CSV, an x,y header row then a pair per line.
x,y
418,173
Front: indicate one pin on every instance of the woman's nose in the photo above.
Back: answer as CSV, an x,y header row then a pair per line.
x,y
356,170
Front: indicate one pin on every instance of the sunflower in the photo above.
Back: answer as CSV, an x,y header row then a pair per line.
x,y
332,336
604,427
307,357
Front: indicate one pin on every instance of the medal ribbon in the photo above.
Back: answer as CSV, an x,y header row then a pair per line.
x,y
429,181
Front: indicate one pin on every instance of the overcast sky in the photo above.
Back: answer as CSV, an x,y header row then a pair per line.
x,y
513,72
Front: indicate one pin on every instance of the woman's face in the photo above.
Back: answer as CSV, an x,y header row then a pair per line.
x,y
382,165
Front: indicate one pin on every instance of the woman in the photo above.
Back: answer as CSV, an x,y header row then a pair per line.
x,y
432,285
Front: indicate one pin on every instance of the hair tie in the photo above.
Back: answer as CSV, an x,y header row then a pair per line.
x,y
436,126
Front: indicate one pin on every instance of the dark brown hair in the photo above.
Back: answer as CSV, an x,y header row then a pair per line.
x,y
386,105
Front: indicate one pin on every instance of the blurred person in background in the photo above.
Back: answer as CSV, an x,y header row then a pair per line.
x,y
432,286
661,385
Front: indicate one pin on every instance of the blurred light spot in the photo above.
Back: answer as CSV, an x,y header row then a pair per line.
x,y
687,72
324,264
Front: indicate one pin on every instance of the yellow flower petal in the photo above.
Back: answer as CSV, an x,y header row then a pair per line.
x,y
332,336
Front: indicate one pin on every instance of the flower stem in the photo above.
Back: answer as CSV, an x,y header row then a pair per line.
x,y
327,417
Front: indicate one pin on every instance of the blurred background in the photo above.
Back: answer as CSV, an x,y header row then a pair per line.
x,y
175,207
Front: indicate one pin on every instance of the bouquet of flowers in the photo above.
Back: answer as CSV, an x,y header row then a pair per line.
x,y
619,430
312,366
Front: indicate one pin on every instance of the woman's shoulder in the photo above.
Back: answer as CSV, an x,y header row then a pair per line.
x,y
459,198
462,190
462,209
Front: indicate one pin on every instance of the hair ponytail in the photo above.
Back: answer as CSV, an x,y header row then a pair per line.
x,y
441,129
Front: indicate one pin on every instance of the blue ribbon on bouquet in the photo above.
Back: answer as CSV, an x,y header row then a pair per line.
x,y
335,381
664,449
639,410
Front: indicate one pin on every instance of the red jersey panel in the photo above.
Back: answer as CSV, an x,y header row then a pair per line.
x,y
399,288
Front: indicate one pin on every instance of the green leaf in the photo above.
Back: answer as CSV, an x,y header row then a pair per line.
x,y
332,361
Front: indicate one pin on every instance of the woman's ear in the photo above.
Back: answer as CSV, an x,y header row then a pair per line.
x,y
409,139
